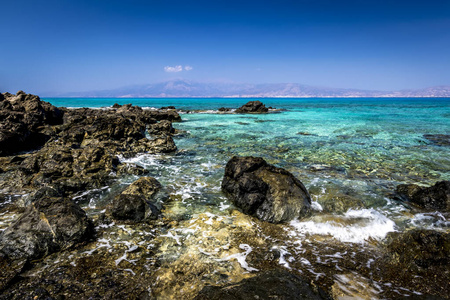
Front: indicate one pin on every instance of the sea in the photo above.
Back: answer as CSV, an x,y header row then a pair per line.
x,y
350,153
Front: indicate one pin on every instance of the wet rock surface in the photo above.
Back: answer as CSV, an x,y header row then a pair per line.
x,y
420,247
275,284
252,107
137,202
272,194
433,197
47,225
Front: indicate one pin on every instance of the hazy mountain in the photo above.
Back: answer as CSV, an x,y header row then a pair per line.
x,y
185,88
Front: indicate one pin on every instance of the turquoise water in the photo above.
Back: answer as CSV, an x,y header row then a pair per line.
x,y
349,153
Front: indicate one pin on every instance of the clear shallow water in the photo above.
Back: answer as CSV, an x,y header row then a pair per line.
x,y
349,153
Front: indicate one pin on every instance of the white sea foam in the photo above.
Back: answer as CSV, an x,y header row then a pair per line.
x,y
241,257
357,226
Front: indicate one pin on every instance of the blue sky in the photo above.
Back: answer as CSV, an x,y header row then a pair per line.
x,y
68,46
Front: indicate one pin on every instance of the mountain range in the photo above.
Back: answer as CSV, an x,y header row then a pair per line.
x,y
186,88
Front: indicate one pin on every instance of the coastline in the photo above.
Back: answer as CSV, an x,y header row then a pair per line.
x,y
214,243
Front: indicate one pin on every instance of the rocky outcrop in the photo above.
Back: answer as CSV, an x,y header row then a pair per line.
x,y
272,194
25,119
47,225
275,284
252,107
137,202
81,146
433,197
420,247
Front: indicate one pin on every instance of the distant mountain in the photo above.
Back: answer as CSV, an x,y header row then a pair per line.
x,y
185,88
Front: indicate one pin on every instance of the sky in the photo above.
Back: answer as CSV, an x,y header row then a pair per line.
x,y
59,46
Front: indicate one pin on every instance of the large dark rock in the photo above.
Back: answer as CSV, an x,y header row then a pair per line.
x,y
272,194
275,284
252,107
162,127
47,225
423,248
433,197
137,202
23,121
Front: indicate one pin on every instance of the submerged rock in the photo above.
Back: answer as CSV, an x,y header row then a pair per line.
x,y
272,194
433,197
438,139
137,202
252,107
274,284
47,225
421,247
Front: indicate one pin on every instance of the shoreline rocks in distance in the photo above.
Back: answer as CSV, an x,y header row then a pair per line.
x,y
433,197
252,107
271,194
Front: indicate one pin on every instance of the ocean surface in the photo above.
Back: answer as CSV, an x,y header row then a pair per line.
x,y
349,153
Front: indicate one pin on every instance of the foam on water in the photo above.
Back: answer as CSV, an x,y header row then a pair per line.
x,y
355,226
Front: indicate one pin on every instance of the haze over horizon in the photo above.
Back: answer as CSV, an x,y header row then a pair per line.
x,y
65,46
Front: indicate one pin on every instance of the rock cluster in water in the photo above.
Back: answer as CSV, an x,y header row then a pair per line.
x,y
252,107
71,151
77,149
272,194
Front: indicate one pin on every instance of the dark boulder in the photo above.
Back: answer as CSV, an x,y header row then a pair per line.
x,y
138,202
274,284
433,197
168,107
224,109
420,247
252,107
47,226
272,194
24,120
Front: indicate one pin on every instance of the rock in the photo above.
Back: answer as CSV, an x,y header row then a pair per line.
x,y
274,284
421,247
137,202
77,149
47,226
168,107
224,109
272,194
162,127
24,118
438,139
252,107
433,197
10,270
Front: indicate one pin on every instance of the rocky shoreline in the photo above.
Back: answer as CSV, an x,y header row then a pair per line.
x,y
50,157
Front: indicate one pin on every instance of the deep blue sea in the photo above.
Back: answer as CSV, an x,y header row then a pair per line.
x,y
349,153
